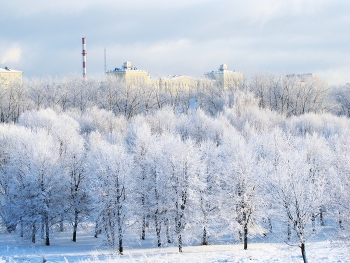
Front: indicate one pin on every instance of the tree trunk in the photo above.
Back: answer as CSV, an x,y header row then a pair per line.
x,y
121,243
321,217
167,231
303,252
270,224
239,235
158,228
61,224
204,237
22,228
120,230
143,230
179,240
340,222
97,229
289,233
75,226
42,230
74,234
245,237
47,231
313,223
33,233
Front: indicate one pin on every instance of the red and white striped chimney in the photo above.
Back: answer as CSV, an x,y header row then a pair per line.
x,y
84,57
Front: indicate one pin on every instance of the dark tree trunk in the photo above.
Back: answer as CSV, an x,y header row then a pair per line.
x,y
74,236
47,231
61,224
313,222
239,235
143,230
289,232
245,237
22,228
120,235
75,226
42,230
204,237
321,217
97,229
107,227
33,233
120,230
303,252
340,222
167,231
158,228
179,239
270,224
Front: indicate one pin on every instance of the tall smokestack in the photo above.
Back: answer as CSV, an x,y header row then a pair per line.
x,y
84,57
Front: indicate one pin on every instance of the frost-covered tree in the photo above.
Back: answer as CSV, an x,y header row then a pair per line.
x,y
240,184
297,176
109,178
181,167
33,161
210,222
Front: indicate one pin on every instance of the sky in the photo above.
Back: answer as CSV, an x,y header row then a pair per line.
x,y
182,37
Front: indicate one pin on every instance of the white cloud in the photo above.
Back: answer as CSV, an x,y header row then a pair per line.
x,y
179,37
11,55
77,6
337,76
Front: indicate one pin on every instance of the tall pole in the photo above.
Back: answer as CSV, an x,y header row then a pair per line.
x,y
84,57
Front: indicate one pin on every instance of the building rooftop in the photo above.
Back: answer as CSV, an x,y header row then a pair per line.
x,y
127,66
223,69
7,69
303,75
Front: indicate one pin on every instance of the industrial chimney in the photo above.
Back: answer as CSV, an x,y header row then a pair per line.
x,y
84,57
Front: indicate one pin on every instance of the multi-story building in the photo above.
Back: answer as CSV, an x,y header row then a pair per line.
x,y
8,75
178,82
133,76
130,75
224,77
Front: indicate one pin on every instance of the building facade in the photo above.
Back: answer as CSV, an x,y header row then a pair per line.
x,y
130,75
8,75
133,76
224,77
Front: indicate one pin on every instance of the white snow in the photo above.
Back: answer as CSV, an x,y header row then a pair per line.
x,y
88,249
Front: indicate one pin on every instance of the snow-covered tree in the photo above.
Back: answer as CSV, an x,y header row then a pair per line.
x,y
182,169
297,176
109,168
242,194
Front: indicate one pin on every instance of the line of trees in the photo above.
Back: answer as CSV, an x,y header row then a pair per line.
x,y
288,95
193,168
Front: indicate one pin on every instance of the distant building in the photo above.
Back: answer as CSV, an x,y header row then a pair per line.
x,y
8,75
133,76
129,74
302,76
224,77
178,82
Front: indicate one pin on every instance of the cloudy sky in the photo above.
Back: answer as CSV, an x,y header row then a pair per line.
x,y
43,37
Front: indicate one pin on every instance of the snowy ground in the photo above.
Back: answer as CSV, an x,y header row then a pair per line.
x,y
88,249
